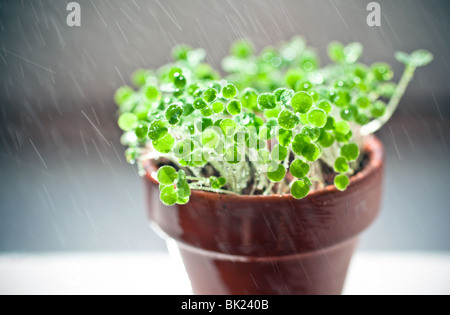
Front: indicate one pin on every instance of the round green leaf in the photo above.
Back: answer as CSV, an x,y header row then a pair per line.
x,y
131,155
228,126
182,201
286,97
353,52
279,153
341,182
284,137
242,49
311,152
249,98
361,71
141,131
309,60
312,132
317,117
181,52
299,169
276,174
402,57
188,109
218,107
165,144
151,92
326,139
204,123
215,184
210,95
169,196
350,151
157,130
287,120
420,58
330,124
341,165
378,109
265,133
173,114
336,52
128,121
382,71
267,101
342,127
349,113
179,81
175,71
229,91
325,106
272,113
342,98
123,94
363,102
210,138
234,107
300,141
303,86
302,102
182,185
222,181
272,122
199,92
343,138
192,89
314,95
299,189
292,76
199,103
166,175
207,112
219,183
362,119
278,93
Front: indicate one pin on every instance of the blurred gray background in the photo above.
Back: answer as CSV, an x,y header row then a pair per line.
x,y
64,183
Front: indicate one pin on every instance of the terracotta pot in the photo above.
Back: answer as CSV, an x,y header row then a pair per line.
x,y
271,244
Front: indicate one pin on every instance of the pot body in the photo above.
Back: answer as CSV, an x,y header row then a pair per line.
x,y
271,244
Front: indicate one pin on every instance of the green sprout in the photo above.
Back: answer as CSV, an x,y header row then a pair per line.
x,y
276,123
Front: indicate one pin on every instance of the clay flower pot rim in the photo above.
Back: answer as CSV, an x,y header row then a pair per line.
x,y
373,147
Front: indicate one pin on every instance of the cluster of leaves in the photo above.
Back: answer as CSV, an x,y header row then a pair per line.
x,y
274,114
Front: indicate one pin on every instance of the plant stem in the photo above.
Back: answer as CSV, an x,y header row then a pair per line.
x,y
219,191
268,191
283,182
317,171
376,124
255,178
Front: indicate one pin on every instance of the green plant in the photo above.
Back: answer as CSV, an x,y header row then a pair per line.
x,y
272,114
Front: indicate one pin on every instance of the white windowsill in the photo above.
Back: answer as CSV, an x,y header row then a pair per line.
x,y
147,273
